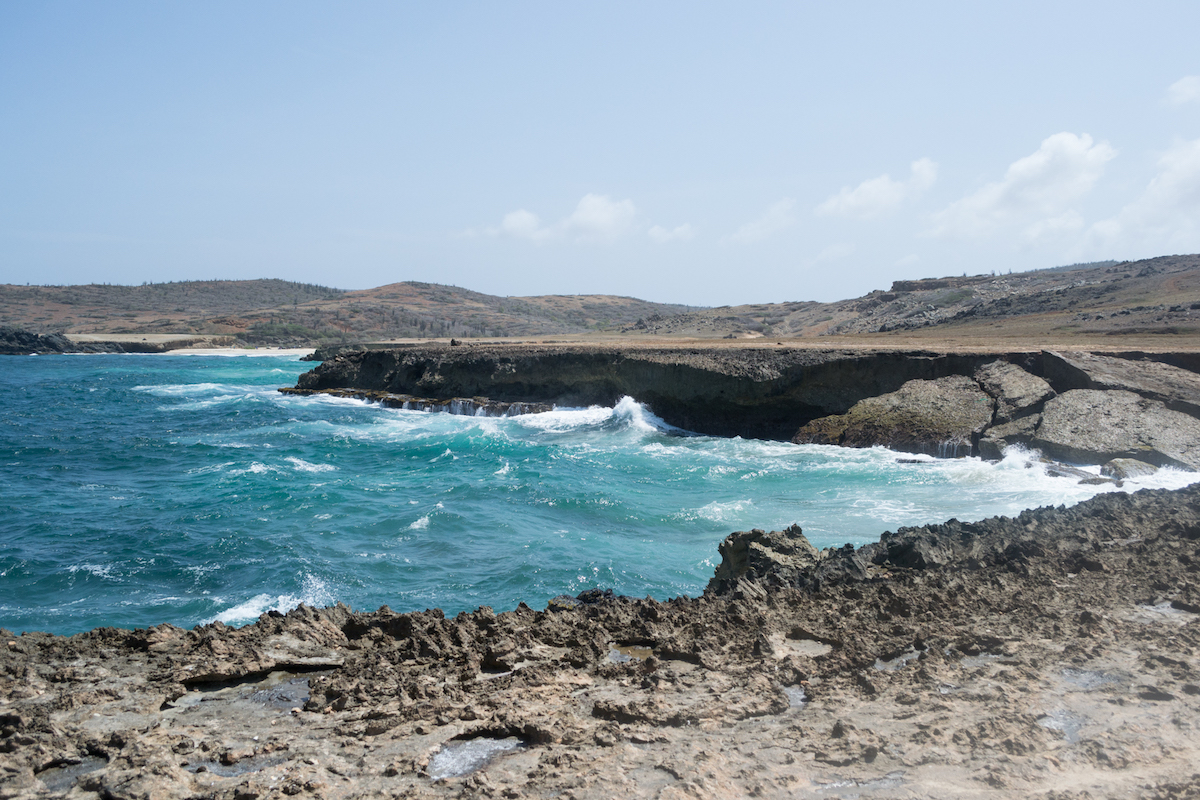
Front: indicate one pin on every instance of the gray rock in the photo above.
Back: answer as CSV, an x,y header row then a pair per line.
x,y
1125,468
1091,427
1016,391
1177,388
757,553
942,417
998,439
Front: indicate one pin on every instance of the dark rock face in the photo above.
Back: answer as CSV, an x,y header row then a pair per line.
x,y
20,342
942,417
724,391
1092,426
941,404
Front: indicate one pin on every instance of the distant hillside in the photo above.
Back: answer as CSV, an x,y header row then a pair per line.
x,y
1156,296
276,311
1107,298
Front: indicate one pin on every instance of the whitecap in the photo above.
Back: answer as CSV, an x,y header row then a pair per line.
x,y
419,524
304,466
314,592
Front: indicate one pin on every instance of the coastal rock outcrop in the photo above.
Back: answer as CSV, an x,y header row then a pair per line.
x,y
946,404
1016,391
1004,658
1176,388
942,417
21,342
1092,426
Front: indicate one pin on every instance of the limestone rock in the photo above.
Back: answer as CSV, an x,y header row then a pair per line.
x,y
942,417
1091,427
1124,468
1177,388
758,553
1017,392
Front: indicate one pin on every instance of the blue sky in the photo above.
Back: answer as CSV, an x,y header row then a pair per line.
x,y
691,152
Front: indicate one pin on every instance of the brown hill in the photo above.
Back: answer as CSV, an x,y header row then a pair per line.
x,y
1110,301
1159,296
275,311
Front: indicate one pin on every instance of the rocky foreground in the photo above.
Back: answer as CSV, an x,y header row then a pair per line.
x,y
1053,655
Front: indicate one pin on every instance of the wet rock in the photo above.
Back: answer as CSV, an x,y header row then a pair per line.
x,y
1089,426
1016,391
1125,468
942,417
999,438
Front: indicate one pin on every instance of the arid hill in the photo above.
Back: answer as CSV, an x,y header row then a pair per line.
x,y
276,311
1159,297
1154,296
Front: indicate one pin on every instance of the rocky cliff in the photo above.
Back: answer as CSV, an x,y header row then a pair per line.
x,y
1078,407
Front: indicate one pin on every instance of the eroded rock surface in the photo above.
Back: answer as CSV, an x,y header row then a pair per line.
x,y
1055,654
1177,388
1093,426
942,417
1016,391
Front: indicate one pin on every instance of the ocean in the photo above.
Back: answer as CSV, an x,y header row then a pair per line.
x,y
142,489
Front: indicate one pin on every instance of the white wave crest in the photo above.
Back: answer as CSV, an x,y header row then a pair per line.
x,y
313,592
304,466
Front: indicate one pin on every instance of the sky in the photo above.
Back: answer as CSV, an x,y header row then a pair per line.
x,y
689,152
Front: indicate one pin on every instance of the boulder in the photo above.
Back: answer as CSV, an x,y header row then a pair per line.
x,y
1016,391
1125,468
942,417
1089,426
1177,388
757,553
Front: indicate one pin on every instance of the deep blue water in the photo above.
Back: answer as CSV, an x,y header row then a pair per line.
x,y
183,489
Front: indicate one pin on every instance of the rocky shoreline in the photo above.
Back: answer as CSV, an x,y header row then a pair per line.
x,y
1050,655
1078,407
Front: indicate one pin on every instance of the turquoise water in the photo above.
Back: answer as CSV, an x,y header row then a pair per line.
x,y
185,489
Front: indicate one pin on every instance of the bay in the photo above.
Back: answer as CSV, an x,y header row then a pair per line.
x,y
185,489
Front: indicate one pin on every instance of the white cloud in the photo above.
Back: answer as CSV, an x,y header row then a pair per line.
x,y
597,217
879,195
663,235
1167,214
1035,189
777,218
524,225
1184,90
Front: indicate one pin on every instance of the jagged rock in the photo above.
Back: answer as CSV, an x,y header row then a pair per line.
x,y
757,552
1016,391
1177,388
942,417
1125,468
998,439
1090,426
